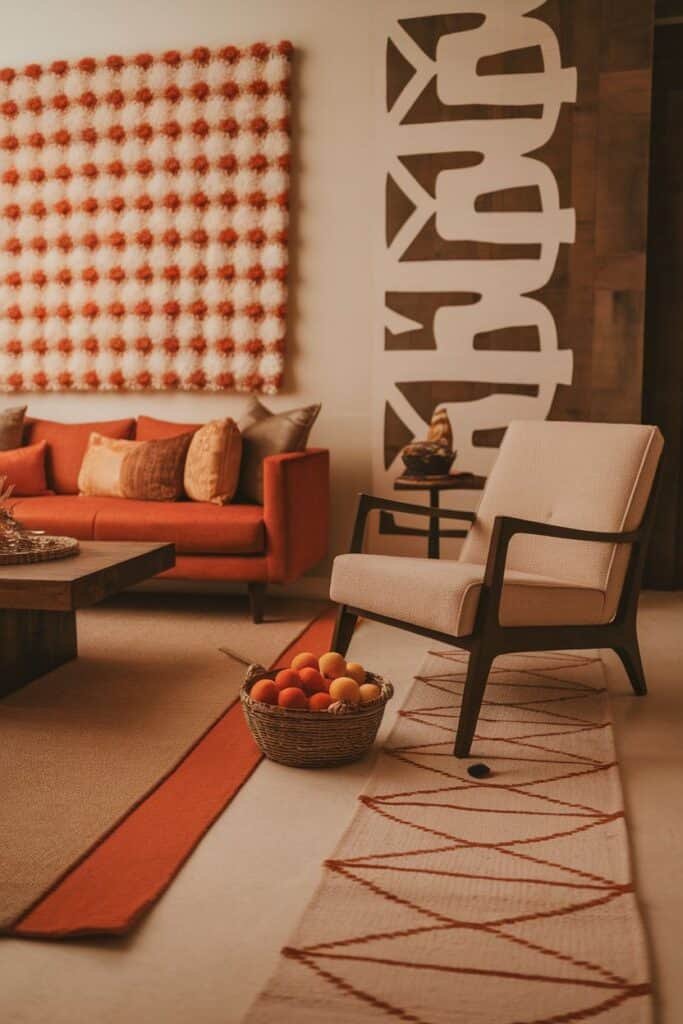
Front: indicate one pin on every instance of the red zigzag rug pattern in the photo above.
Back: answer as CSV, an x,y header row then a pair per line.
x,y
507,900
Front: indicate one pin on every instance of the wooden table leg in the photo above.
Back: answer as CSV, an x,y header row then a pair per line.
x,y
433,547
33,643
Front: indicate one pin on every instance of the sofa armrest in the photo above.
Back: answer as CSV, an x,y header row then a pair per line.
x,y
296,511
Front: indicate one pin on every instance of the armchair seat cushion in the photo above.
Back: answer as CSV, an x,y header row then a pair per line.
x,y
443,595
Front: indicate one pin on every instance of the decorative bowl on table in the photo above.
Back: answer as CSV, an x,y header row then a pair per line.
x,y
426,458
301,738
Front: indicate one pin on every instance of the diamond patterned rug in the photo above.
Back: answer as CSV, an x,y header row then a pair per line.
x,y
505,900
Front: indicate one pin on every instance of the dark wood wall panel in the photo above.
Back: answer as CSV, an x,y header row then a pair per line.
x,y
663,382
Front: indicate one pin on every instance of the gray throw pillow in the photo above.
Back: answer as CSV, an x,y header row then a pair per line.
x,y
265,433
12,428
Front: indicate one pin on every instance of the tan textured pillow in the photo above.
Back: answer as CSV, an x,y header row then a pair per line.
x,y
212,467
265,433
11,428
146,470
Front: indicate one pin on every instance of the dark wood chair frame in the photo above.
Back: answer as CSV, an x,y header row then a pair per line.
x,y
489,638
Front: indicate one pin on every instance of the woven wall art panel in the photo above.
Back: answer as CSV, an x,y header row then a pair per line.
x,y
143,221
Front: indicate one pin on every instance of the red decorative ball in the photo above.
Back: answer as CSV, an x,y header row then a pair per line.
x,y
286,678
312,681
292,697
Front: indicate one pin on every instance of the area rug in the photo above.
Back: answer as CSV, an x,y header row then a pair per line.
x,y
86,745
503,900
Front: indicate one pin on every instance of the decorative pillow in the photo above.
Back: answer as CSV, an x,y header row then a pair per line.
x,y
12,427
265,433
24,468
149,429
66,446
146,470
212,467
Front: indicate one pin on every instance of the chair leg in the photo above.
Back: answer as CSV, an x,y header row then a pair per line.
x,y
473,693
257,600
343,630
630,659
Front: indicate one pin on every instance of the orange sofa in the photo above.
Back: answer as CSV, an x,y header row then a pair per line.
x,y
256,544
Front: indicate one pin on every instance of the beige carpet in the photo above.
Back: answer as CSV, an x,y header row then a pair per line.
x,y
82,745
507,900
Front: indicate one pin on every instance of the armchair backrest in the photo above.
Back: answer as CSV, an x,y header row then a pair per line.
x,y
592,476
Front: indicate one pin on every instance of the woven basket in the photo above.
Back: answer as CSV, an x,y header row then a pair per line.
x,y
50,549
312,739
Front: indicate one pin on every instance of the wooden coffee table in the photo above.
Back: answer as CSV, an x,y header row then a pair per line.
x,y
38,603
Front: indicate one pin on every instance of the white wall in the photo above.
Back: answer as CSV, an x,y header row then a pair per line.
x,y
334,215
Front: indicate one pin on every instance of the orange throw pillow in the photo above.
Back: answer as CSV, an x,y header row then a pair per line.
x,y
212,467
149,429
24,468
144,470
67,443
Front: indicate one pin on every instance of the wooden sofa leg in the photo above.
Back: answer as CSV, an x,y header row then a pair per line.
x,y
257,600
473,693
343,630
630,659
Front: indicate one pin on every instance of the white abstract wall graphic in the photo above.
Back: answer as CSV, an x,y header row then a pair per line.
x,y
450,270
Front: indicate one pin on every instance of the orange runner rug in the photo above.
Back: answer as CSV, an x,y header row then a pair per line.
x,y
108,891
502,900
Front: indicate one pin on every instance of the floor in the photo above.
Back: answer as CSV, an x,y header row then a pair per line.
x,y
209,945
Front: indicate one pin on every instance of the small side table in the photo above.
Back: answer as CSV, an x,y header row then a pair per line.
x,y
434,485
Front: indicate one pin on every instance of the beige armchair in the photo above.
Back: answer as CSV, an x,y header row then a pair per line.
x,y
553,559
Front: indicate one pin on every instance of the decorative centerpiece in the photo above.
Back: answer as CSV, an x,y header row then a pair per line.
x,y
19,546
433,457
317,713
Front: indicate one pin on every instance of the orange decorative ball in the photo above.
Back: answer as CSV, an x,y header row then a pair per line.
x,y
304,660
292,697
319,702
332,665
355,671
286,678
312,681
369,692
265,690
345,688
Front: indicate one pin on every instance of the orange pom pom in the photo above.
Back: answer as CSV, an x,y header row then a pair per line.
x,y
304,660
265,690
346,689
332,665
292,697
312,681
319,702
286,678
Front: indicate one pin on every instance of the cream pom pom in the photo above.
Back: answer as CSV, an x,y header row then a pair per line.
x,y
243,330
271,364
272,330
272,294
273,257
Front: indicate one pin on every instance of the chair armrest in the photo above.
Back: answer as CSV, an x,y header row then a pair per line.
x,y
368,502
296,508
506,527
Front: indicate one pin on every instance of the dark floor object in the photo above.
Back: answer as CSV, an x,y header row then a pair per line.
x,y
479,771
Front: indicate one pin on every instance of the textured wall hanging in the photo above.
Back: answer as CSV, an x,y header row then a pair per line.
x,y
514,142
143,221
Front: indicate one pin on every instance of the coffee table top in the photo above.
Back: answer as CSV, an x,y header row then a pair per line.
x,y
100,570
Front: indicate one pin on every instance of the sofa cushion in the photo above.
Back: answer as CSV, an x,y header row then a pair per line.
x,y
66,446
265,433
61,514
11,427
144,470
444,595
150,429
24,469
194,527
212,467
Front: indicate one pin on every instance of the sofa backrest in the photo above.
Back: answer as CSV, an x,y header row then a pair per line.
x,y
66,445
592,476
